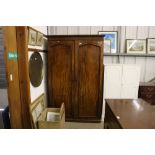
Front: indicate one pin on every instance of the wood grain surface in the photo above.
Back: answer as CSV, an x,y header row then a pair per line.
x,y
75,75
60,74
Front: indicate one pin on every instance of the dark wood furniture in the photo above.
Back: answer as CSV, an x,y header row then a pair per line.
x,y
75,75
147,92
129,114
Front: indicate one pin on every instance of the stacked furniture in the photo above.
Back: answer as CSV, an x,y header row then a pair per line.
x,y
75,75
147,92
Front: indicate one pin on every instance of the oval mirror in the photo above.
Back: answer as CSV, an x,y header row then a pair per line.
x,y
36,69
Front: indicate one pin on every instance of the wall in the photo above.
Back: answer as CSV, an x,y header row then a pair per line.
x,y
35,92
124,32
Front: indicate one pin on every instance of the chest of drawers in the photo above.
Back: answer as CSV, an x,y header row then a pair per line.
x,y
147,92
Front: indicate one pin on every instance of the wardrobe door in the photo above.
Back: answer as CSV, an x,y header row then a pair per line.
x,y
60,74
89,62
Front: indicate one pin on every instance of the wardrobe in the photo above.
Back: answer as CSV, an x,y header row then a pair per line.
x,y
75,76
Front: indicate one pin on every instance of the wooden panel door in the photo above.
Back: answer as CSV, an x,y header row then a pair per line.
x,y
89,62
60,74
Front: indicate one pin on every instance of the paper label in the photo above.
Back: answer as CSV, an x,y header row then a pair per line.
x,y
12,56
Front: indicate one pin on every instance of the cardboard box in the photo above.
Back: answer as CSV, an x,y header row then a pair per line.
x,y
46,118
52,118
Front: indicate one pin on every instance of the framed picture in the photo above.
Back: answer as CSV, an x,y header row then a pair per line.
x,y
136,46
107,46
112,36
32,37
151,45
39,39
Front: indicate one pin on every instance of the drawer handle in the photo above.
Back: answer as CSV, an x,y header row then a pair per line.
x,y
150,89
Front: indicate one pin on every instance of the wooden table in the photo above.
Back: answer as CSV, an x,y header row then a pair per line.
x,y
129,114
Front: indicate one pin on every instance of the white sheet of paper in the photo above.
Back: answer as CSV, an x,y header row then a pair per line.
x,y
53,116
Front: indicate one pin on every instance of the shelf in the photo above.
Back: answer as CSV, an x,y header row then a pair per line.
x,y
130,55
111,54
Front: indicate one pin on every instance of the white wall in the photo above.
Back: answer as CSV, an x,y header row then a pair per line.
x,y
37,91
124,32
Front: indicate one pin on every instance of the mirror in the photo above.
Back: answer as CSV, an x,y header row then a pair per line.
x,y
36,69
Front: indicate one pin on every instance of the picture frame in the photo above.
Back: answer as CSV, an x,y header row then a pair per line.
x,y
136,46
39,41
107,46
150,45
32,37
113,37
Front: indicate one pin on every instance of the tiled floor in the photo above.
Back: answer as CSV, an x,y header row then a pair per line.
x,y
77,125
